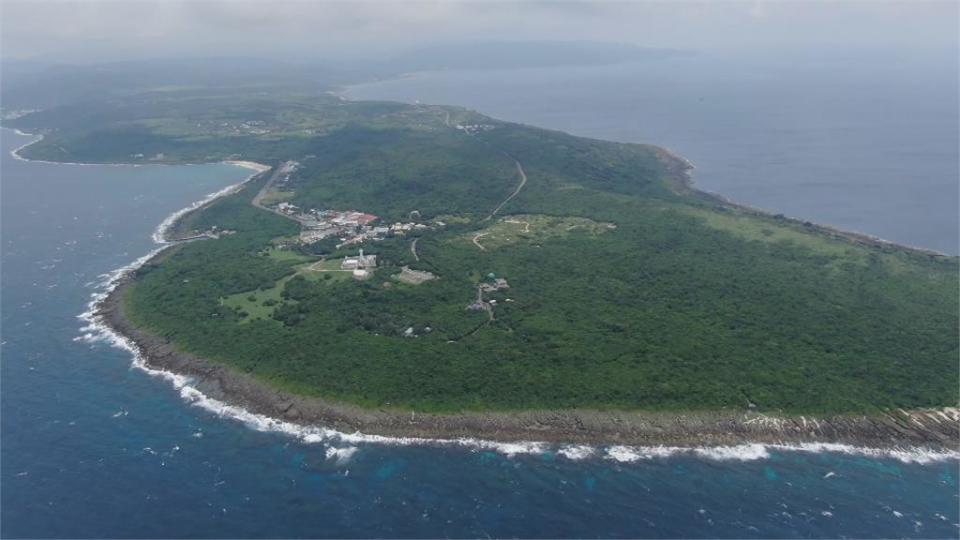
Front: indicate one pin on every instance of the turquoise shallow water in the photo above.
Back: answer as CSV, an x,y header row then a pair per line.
x,y
91,447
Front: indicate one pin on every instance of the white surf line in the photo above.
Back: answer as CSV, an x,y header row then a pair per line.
x,y
97,330
159,235
15,153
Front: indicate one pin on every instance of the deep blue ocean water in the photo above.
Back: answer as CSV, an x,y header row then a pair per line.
x,y
866,142
93,448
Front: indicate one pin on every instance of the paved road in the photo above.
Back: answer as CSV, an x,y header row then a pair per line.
x,y
523,182
413,248
526,224
257,200
476,238
486,305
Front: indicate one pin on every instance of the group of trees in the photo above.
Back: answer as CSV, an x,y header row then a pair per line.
x,y
667,310
662,312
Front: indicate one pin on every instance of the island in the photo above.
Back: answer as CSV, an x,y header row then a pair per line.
x,y
428,271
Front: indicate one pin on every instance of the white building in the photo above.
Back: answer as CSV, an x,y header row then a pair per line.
x,y
359,262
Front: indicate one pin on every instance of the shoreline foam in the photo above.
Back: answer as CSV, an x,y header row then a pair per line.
x,y
218,389
100,329
15,153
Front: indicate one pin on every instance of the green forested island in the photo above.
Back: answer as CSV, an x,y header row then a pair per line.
x,y
515,268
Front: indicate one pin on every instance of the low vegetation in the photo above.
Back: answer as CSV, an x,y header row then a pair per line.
x,y
533,230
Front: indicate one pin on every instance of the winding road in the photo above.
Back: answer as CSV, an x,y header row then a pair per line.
x,y
413,248
526,224
477,238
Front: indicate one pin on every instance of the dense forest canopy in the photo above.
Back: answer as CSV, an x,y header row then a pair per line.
x,y
626,288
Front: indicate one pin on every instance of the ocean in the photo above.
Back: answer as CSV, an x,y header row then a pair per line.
x,y
866,142
92,446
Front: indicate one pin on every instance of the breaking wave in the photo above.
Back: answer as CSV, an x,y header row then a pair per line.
x,y
160,233
341,445
341,455
15,153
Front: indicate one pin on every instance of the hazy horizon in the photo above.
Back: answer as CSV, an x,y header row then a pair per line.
x,y
104,31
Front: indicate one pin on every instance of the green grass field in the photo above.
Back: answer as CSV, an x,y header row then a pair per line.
x,y
256,305
286,254
532,229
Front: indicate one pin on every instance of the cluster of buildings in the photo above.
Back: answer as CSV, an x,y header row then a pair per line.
x,y
492,284
247,127
414,277
495,285
470,129
361,265
286,169
349,226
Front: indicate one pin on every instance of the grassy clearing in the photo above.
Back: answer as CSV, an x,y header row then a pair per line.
x,y
326,277
533,229
275,196
328,265
413,277
841,251
285,254
753,228
452,219
327,270
259,304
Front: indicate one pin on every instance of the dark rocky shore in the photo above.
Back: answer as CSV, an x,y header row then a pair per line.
x,y
931,428
682,181
939,429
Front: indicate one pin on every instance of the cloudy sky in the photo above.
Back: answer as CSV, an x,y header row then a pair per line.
x,y
93,30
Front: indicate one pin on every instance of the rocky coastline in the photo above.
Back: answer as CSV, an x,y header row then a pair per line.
x,y
681,180
928,428
937,429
